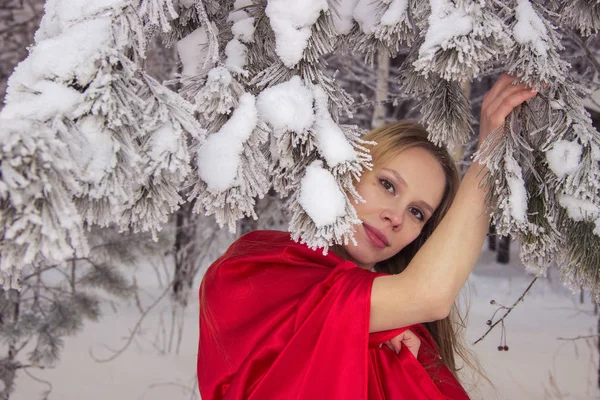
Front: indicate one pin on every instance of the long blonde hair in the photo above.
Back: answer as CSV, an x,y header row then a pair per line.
x,y
391,140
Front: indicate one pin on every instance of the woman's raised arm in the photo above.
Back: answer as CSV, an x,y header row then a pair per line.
x,y
427,288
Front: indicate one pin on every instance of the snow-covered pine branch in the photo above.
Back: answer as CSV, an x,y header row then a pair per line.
x,y
535,57
254,76
95,98
40,223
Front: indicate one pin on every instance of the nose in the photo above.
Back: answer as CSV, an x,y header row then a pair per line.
x,y
393,217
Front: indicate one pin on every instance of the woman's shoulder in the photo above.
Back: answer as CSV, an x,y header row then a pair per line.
x,y
275,246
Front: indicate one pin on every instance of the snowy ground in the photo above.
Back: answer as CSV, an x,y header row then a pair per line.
x,y
537,366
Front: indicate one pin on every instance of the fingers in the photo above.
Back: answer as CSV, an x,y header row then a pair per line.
x,y
504,81
497,113
407,339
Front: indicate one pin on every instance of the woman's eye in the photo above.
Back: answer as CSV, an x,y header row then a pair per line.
x,y
418,213
387,185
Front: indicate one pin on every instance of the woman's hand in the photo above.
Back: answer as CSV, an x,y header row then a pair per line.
x,y
406,338
498,103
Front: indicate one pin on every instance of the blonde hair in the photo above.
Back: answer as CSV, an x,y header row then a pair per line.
x,y
391,140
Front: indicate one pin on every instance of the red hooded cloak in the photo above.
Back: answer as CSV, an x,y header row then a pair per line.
x,y
281,321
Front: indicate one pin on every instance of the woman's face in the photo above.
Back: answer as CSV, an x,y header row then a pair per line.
x,y
400,196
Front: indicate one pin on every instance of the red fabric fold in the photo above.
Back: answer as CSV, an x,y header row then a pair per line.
x,y
281,321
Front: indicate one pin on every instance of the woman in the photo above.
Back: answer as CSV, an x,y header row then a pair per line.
x,y
280,321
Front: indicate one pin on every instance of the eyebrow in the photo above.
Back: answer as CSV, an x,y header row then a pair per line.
x,y
403,182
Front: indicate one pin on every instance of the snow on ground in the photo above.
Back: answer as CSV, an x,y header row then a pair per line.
x,y
537,366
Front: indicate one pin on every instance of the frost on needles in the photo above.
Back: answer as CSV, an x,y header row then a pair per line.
x,y
89,138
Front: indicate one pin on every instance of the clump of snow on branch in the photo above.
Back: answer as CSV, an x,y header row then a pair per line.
x,y
331,141
534,57
320,196
564,157
40,221
287,106
219,157
292,23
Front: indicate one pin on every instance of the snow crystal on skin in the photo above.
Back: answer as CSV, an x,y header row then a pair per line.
x,y
48,100
243,30
236,54
365,13
564,157
579,210
219,156
342,16
192,51
530,28
320,195
291,21
72,54
516,186
287,106
445,22
394,13
95,151
331,141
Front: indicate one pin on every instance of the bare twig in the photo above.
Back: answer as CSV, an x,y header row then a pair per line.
x,y
134,331
508,311
595,336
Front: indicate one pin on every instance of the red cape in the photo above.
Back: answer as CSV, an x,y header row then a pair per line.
x,y
281,321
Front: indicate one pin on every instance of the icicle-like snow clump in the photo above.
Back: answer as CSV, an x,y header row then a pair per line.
x,y
320,195
219,156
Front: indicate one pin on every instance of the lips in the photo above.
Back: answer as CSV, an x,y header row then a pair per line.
x,y
376,236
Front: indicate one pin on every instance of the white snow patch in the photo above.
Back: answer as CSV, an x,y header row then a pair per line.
x,y
165,141
236,53
530,28
192,51
331,141
365,13
94,152
394,13
445,23
47,100
291,21
342,16
243,30
578,209
219,156
516,186
320,195
74,53
564,157
287,106
59,15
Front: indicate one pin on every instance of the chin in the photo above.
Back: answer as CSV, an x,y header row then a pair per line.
x,y
361,256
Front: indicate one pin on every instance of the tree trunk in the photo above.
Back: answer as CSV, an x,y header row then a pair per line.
x,y
503,256
492,238
381,93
